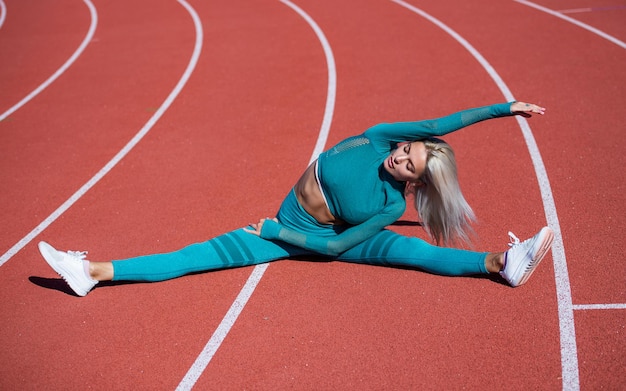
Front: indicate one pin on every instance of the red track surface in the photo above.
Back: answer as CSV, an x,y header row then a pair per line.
x,y
236,139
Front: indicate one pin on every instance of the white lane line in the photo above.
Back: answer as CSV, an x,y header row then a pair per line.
x,y
569,356
64,67
574,21
124,151
203,360
615,306
3,13
574,10
591,9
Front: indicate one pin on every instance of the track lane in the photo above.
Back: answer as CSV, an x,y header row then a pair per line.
x,y
605,16
572,78
53,146
217,338
92,28
206,152
586,26
335,317
20,370
582,81
45,36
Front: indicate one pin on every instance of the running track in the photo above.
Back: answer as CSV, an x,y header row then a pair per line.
x,y
150,125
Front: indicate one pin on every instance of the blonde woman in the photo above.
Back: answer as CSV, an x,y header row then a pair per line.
x,y
339,209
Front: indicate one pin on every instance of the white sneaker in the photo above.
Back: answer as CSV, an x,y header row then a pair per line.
x,y
522,258
69,265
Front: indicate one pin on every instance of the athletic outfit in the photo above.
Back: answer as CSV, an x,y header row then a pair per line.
x,y
359,191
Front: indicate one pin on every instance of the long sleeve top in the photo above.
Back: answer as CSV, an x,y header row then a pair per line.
x,y
359,190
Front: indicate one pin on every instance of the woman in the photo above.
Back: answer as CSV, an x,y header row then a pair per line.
x,y
340,207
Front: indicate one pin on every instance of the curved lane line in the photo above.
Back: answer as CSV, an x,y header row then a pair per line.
x,y
574,21
68,63
3,13
124,151
204,358
559,14
569,356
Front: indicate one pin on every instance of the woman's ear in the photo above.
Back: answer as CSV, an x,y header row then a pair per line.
x,y
412,187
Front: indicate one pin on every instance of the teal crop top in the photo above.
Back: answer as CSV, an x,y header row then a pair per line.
x,y
359,190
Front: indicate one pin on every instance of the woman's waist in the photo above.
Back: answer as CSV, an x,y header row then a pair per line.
x,y
311,196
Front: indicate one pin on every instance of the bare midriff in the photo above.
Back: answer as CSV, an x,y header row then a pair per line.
x,y
311,198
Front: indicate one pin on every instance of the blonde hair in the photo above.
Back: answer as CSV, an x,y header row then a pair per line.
x,y
445,214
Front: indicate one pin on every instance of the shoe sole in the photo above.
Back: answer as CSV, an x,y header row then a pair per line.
x,y
46,251
546,236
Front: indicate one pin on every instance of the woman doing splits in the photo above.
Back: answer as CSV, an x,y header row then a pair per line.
x,y
339,209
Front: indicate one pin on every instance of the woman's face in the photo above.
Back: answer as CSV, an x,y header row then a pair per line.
x,y
408,162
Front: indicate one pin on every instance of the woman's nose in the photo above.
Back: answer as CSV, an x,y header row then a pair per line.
x,y
400,158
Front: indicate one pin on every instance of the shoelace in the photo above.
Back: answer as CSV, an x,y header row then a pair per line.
x,y
514,240
81,255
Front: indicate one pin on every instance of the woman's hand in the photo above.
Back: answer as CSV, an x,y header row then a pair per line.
x,y
257,227
526,109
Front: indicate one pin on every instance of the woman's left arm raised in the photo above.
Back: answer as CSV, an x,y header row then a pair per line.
x,y
386,134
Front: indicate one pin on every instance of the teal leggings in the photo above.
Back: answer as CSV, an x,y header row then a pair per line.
x,y
239,248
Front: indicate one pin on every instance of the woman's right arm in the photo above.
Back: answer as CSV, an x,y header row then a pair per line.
x,y
333,245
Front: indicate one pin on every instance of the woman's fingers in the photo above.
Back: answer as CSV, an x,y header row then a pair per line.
x,y
525,109
258,226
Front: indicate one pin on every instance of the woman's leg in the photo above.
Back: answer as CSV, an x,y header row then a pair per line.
x,y
234,249
391,249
